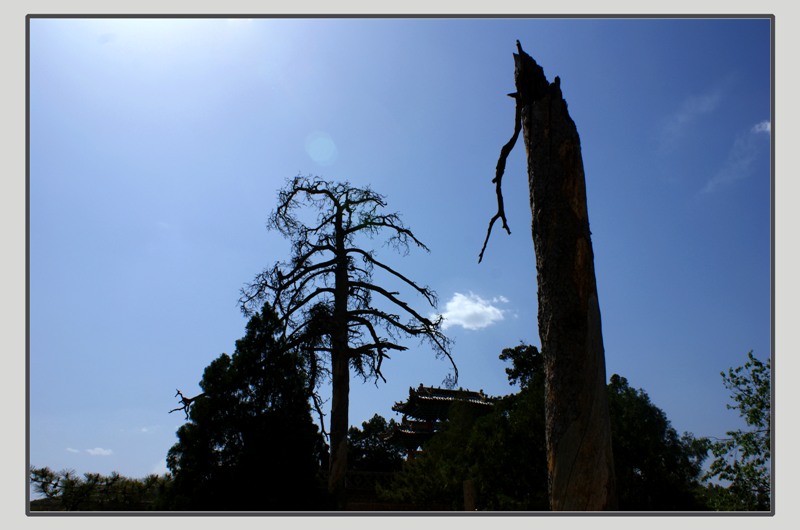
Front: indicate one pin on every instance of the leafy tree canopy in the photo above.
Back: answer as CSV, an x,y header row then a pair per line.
x,y
743,460
66,490
504,452
251,443
369,448
656,469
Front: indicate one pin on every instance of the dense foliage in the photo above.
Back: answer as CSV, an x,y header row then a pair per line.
x,y
251,443
503,453
369,449
656,469
743,460
65,490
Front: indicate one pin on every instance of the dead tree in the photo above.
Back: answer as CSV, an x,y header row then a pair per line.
x,y
186,402
325,296
578,432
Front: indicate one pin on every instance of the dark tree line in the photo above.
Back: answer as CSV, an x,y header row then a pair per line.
x,y
504,453
656,468
251,442
65,490
369,449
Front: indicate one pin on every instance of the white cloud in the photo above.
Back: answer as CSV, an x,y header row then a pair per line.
x,y
472,312
71,450
764,126
693,107
99,451
741,158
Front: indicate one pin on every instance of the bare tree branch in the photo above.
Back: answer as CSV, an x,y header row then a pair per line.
x,y
429,295
302,268
326,306
429,332
186,402
392,298
498,177
302,303
293,300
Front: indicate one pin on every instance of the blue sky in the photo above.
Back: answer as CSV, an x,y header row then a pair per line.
x,y
157,148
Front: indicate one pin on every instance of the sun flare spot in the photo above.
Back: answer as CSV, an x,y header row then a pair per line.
x,y
321,148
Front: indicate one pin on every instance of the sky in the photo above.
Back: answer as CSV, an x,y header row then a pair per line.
x,y
157,147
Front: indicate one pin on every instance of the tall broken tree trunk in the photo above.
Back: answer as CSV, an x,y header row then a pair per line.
x,y
578,431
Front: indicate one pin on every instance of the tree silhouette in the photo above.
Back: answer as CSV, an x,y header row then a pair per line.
x,y
326,299
656,469
251,442
66,490
504,452
369,448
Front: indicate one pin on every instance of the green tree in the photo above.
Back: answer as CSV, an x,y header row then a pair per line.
x,y
504,452
515,439
435,477
656,469
743,459
251,443
66,490
369,448
372,460
327,300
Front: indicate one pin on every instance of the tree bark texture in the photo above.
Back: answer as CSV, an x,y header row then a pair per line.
x,y
578,432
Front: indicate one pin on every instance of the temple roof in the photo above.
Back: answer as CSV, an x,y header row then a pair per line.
x,y
412,433
432,403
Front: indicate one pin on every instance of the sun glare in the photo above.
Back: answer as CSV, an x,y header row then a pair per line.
x,y
165,35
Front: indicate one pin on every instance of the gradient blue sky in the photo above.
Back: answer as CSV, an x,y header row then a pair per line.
x,y
157,148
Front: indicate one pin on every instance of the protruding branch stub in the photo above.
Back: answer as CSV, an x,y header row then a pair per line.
x,y
529,78
186,402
